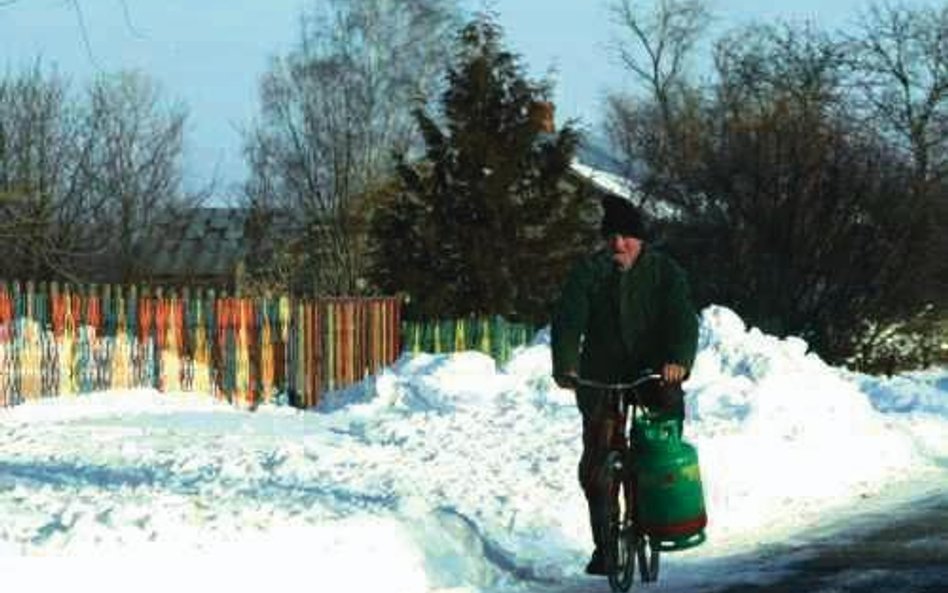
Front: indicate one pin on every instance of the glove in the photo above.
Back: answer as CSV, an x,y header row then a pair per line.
x,y
665,398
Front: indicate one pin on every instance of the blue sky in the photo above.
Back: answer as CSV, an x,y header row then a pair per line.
x,y
210,53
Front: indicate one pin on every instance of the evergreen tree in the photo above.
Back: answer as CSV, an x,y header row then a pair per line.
x,y
482,223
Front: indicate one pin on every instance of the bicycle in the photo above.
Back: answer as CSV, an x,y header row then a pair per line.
x,y
626,543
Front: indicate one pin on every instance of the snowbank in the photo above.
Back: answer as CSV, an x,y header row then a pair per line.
x,y
448,473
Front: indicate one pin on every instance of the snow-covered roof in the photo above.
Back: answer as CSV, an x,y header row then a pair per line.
x,y
611,183
621,186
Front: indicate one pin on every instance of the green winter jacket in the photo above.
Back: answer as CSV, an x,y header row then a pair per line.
x,y
611,325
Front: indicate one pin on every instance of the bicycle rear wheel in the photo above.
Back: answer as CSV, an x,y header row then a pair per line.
x,y
620,537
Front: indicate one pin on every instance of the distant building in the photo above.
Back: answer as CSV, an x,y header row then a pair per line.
x,y
199,247
597,169
209,246
602,175
205,246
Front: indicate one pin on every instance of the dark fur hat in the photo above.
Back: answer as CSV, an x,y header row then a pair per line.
x,y
621,217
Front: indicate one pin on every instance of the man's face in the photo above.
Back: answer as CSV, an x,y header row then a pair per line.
x,y
624,248
621,244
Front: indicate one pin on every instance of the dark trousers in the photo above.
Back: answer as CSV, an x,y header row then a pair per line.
x,y
604,431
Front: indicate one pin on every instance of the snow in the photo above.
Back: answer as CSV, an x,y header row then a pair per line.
x,y
442,474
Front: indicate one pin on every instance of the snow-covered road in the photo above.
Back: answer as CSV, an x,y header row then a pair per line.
x,y
442,474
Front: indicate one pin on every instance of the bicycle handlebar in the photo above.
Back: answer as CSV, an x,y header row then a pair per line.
x,y
619,386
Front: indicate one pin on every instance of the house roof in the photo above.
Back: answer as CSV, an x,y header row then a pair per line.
x,y
607,175
199,242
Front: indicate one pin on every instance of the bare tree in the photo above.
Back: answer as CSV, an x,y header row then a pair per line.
x,y
77,8
899,66
797,214
810,172
899,61
333,112
80,179
795,62
41,172
649,126
658,44
136,145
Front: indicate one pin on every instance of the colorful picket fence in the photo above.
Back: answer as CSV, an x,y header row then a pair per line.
x,y
491,335
68,340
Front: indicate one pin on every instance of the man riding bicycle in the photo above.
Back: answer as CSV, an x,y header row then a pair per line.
x,y
623,309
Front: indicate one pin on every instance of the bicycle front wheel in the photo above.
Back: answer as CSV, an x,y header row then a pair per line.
x,y
621,549
648,558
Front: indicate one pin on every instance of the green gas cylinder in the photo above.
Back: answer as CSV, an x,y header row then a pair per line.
x,y
668,485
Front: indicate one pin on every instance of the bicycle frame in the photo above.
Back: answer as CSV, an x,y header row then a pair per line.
x,y
620,575
622,389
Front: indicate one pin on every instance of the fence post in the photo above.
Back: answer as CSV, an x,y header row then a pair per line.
x,y
285,315
118,327
264,322
186,341
331,350
6,368
208,321
30,355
